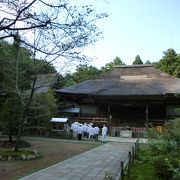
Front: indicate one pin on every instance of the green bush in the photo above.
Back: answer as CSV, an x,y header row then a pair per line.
x,y
172,131
164,166
165,150
142,168
144,154
176,175
9,154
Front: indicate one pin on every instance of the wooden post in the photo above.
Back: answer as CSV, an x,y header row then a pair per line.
x,y
165,111
129,165
110,116
122,170
133,152
136,148
147,114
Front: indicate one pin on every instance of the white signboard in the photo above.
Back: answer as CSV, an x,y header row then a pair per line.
x,y
62,120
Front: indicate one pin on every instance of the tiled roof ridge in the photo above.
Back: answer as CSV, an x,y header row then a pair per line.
x,y
133,66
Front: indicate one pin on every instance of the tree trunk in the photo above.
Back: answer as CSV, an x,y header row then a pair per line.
x,y
18,138
10,133
10,137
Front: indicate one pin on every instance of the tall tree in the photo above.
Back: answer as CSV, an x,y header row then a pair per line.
x,y
82,73
5,53
108,66
170,63
13,83
44,67
50,30
17,74
10,66
147,62
85,72
10,116
137,60
68,80
42,108
57,29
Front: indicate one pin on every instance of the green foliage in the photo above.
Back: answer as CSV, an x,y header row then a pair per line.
x,y
141,171
22,154
176,176
22,69
42,109
44,67
85,72
147,62
165,166
15,72
8,152
68,80
172,131
165,149
18,70
82,73
5,54
110,65
170,63
11,114
144,154
142,167
58,31
137,60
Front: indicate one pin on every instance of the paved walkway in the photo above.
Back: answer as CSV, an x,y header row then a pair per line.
x,y
91,165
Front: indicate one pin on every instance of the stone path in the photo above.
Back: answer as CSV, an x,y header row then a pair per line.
x,y
91,165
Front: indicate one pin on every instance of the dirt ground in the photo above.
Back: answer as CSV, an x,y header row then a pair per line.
x,y
53,151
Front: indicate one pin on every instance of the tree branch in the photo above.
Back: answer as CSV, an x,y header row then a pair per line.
x,y
17,17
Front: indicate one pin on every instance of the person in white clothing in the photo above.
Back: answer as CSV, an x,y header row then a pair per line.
x,y
85,130
80,132
104,132
74,128
91,132
96,132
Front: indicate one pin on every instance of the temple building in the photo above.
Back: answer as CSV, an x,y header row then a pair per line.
x,y
127,96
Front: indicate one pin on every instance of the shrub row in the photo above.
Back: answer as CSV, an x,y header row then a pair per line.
x,y
8,155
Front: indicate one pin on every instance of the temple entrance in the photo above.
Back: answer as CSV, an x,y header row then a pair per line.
x,y
137,115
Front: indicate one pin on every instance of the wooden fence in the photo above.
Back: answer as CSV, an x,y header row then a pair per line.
x,y
125,168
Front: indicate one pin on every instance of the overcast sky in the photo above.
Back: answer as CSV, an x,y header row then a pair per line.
x,y
136,27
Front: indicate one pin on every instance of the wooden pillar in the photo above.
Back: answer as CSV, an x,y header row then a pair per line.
x,y
109,114
165,111
147,113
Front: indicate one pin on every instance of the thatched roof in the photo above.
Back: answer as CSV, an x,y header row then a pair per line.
x,y
135,80
44,82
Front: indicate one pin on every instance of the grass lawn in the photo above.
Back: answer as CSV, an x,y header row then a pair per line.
x,y
142,168
53,151
141,171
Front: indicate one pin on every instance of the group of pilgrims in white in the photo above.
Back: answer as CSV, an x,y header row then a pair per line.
x,y
87,131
